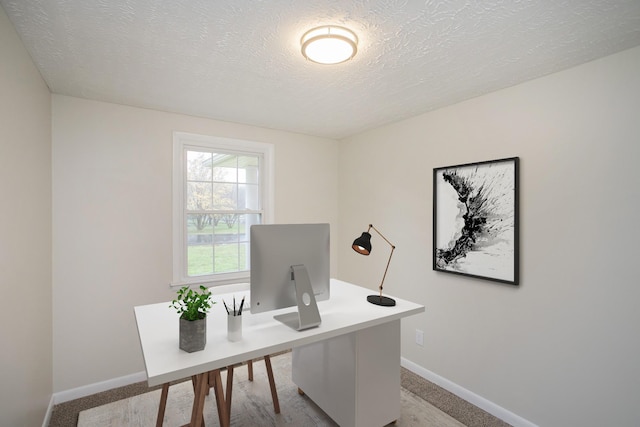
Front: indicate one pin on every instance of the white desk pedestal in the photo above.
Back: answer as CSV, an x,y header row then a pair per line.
x,y
354,378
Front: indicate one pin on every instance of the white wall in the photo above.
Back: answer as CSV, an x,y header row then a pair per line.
x,y
562,348
25,235
112,222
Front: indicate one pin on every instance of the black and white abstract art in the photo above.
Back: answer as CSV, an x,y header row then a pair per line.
x,y
475,220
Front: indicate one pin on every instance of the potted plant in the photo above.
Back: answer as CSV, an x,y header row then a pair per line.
x,y
193,306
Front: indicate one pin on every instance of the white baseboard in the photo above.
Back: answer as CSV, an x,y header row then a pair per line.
x,y
88,390
479,401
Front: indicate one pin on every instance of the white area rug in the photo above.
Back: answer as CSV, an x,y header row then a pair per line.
x,y
251,405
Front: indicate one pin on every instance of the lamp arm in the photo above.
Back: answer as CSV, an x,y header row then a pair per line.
x,y
393,248
385,270
385,239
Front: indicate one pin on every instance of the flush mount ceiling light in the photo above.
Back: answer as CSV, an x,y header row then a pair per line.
x,y
329,44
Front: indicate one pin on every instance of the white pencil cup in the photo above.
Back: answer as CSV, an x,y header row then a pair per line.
x,y
234,327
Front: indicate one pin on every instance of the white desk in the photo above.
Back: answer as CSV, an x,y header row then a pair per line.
x,y
349,365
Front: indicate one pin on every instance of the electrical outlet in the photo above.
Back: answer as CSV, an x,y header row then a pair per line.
x,y
419,337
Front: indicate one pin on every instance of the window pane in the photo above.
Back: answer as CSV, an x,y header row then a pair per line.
x,y
248,169
199,244
225,196
198,166
199,260
199,224
226,257
225,168
226,243
248,196
226,227
199,196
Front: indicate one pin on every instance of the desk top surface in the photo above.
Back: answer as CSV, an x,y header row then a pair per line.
x,y
346,311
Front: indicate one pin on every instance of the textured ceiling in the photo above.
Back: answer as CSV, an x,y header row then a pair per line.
x,y
240,61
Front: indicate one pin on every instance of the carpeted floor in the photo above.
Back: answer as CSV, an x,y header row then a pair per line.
x,y
441,407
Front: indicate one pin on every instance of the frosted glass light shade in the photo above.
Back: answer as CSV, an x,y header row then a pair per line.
x,y
329,44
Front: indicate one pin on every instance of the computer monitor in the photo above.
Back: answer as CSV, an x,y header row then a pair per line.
x,y
290,267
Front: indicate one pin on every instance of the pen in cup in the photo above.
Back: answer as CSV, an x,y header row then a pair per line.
x,y
240,309
236,311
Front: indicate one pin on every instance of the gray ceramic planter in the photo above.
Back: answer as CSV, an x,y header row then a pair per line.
x,y
193,335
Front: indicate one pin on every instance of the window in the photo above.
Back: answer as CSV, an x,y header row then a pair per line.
x,y
221,187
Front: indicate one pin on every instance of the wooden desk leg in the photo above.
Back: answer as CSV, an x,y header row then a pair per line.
x,y
272,385
163,404
229,391
222,406
250,368
212,380
194,380
200,391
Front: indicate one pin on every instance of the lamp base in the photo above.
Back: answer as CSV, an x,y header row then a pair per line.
x,y
383,301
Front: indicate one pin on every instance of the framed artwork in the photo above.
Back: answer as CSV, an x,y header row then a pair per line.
x,y
475,220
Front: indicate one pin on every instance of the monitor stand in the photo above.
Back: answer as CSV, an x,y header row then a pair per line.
x,y
307,315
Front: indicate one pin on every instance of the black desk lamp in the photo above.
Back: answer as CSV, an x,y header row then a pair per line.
x,y
362,245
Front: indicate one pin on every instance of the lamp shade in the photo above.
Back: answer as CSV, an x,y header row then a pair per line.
x,y
362,244
329,44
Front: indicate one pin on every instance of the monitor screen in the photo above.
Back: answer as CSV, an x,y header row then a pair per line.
x,y
275,248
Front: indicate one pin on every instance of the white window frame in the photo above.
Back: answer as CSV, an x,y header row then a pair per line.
x,y
183,141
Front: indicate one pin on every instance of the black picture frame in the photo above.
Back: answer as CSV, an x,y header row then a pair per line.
x,y
476,220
